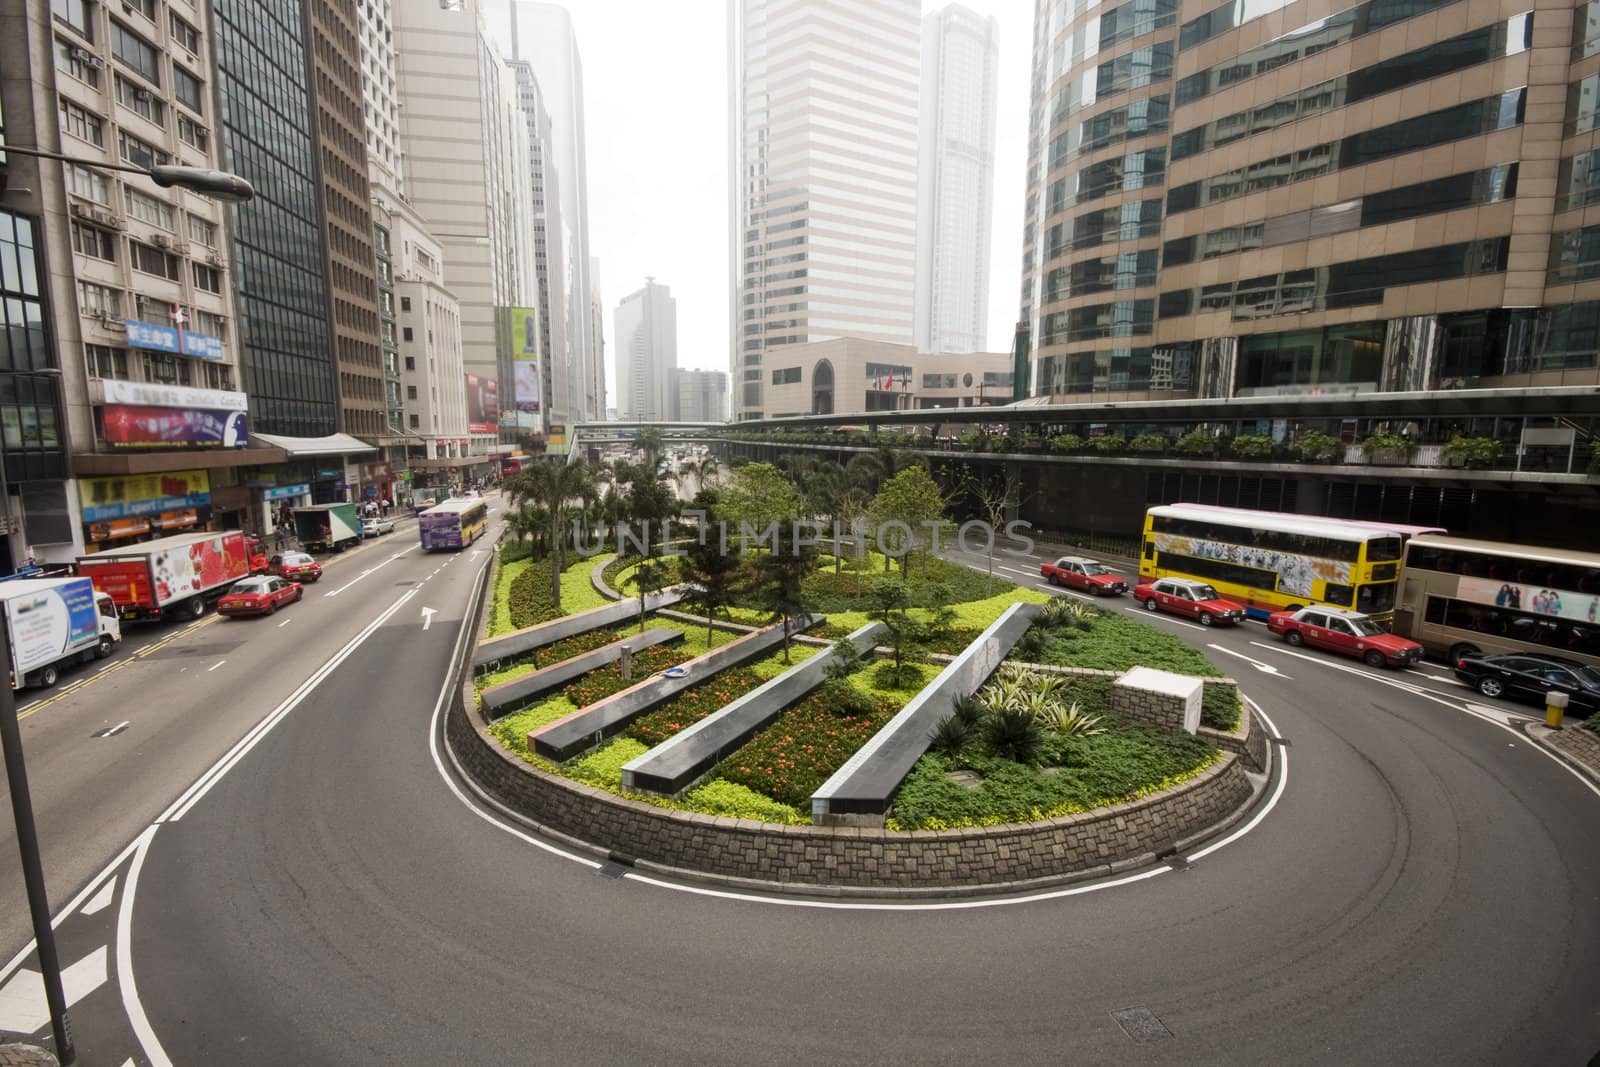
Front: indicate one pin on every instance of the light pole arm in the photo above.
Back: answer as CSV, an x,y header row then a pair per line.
x,y
42,154
217,184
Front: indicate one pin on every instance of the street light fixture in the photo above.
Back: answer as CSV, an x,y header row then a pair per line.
x,y
217,184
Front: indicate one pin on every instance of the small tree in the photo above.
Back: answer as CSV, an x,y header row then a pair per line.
x,y
890,604
650,576
911,497
780,578
714,574
758,496
995,493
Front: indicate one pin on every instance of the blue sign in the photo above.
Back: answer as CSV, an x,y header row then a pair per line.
x,y
168,339
283,492
83,620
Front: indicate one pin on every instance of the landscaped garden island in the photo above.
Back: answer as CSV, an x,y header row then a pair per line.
x,y
828,715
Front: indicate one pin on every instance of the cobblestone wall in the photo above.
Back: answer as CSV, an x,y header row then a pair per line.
x,y
1582,745
847,856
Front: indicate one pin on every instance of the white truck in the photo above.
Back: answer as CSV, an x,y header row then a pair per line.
x,y
52,623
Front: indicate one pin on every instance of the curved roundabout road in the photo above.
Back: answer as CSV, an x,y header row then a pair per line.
x,y
1426,886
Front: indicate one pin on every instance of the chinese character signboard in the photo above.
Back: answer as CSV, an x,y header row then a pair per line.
x,y
156,338
144,494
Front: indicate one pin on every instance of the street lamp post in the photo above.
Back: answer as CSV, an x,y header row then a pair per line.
x,y
219,185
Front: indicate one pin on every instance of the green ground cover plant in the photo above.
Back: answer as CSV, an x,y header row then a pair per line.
x,y
1220,707
1115,643
500,615
789,760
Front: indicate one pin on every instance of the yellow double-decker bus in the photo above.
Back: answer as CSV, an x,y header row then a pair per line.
x,y
1274,561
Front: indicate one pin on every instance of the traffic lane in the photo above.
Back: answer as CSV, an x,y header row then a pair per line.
x,y
290,878
185,704
414,922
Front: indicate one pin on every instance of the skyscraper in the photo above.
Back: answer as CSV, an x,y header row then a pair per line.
x,y
647,353
548,254
542,35
823,118
955,180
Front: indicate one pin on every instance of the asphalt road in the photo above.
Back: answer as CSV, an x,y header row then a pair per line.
x,y
1424,888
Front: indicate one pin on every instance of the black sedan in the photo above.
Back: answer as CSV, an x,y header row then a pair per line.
x,y
1529,679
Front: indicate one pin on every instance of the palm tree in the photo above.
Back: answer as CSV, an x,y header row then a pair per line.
x,y
865,470
558,490
649,442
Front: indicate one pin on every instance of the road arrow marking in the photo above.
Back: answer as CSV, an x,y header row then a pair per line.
x,y
475,554
101,900
22,1005
427,617
1264,668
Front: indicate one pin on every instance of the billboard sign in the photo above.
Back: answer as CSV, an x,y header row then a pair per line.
x,y
129,426
149,335
525,359
144,494
483,404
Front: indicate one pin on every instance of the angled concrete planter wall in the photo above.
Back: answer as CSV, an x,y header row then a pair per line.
x,y
503,699
860,791
521,642
680,759
571,734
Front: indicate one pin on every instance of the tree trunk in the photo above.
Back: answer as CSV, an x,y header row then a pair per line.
x,y
555,564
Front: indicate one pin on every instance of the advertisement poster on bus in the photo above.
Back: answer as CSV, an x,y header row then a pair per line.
x,y
483,404
1540,600
1296,574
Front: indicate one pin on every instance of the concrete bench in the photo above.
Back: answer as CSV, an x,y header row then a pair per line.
x,y
860,791
519,643
680,759
503,699
586,727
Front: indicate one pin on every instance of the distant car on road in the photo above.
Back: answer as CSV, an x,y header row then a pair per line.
x,y
1529,679
1075,572
1349,633
295,566
1191,599
374,527
261,595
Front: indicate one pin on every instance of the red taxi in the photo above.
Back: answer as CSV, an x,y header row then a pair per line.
x,y
1075,572
1349,633
296,566
1191,599
261,595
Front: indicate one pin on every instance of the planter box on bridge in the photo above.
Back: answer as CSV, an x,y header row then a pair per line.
x,y
571,734
503,699
682,758
520,642
860,791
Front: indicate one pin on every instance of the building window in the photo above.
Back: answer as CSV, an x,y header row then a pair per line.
x,y
104,362
140,101
78,62
786,376
411,363
415,422
207,279
208,323
153,261
136,53
186,87
81,124
202,231
185,35
405,303
191,132
405,331
139,153
149,209
216,376
99,300
411,392
166,368
89,184
147,8
92,242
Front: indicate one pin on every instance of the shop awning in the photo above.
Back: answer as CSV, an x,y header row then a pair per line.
x,y
336,444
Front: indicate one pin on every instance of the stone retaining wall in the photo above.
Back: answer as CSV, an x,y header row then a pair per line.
x,y
1581,744
847,856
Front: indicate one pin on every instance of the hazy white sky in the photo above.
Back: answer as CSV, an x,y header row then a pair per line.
x,y
656,92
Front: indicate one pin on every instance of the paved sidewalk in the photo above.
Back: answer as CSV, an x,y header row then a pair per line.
x,y
1573,743
26,1056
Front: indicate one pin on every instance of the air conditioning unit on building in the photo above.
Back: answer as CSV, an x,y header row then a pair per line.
x,y
214,258
108,219
82,210
144,96
161,240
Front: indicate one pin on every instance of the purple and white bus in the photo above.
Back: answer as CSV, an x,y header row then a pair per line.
x,y
453,524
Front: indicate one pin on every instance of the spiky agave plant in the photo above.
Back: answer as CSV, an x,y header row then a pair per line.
x,y
1071,722
1012,734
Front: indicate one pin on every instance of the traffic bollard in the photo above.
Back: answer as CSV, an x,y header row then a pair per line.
x,y
1555,706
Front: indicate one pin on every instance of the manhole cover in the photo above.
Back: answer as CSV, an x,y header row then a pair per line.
x,y
966,779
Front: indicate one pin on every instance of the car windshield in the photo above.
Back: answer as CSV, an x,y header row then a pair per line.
x,y
1204,592
250,585
1365,627
297,558
1589,676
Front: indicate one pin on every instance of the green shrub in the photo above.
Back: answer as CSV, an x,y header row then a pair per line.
x,y
722,797
789,760
529,600
1251,446
1472,450
950,736
1314,446
1384,441
1013,734
512,551
1031,645
1066,442
1111,442
969,710
1032,442
1196,443
845,700
1149,444
692,705
1220,707
1119,643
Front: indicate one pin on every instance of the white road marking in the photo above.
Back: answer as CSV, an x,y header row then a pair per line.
x,y
101,900
22,1005
1264,668
284,623
30,704
427,617
375,567
114,730
215,665
130,991
1156,616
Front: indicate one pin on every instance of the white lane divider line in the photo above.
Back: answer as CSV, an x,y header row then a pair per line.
x,y
113,731
101,900
22,1005
215,665
131,1005
284,623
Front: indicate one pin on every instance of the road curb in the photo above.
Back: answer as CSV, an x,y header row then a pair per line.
x,y
1539,734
